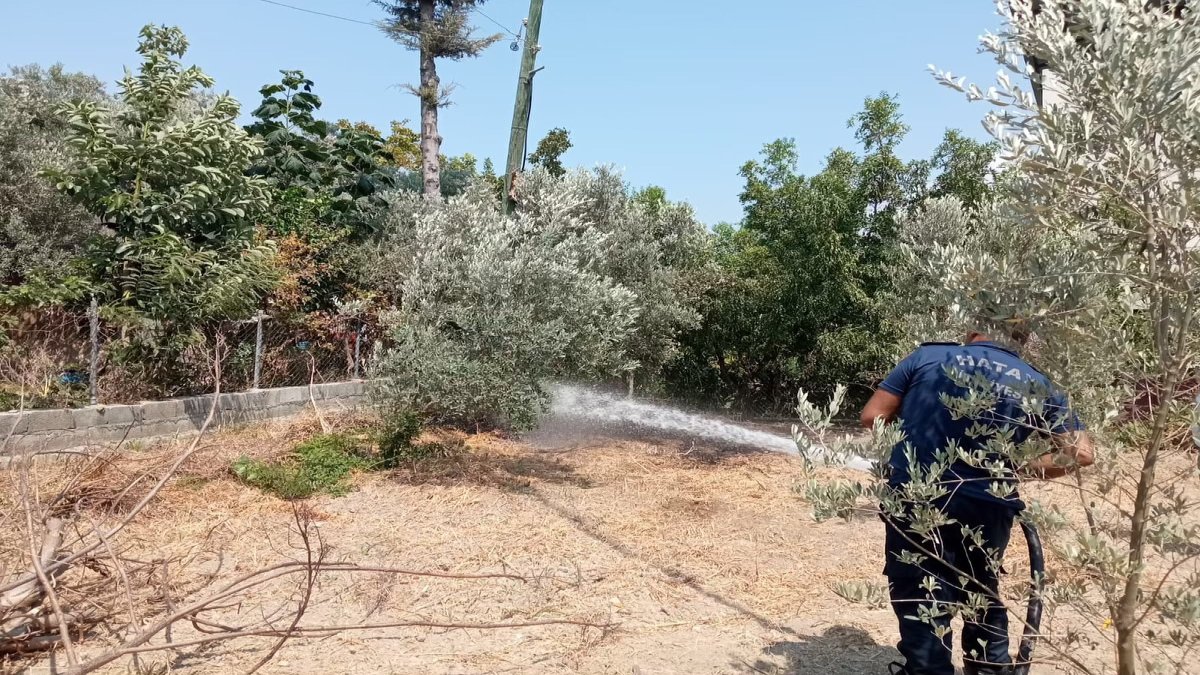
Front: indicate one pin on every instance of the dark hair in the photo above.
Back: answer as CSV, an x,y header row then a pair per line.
x,y
1012,332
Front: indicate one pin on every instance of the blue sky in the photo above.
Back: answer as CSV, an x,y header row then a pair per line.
x,y
677,93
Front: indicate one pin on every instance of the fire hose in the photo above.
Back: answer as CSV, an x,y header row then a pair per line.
x,y
1033,613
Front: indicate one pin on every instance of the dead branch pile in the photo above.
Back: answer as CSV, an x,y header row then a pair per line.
x,y
81,589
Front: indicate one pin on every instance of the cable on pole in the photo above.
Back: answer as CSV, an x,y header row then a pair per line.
x,y
502,26
324,14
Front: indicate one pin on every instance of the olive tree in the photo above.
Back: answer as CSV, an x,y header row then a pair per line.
x,y
489,307
655,248
1095,250
41,230
589,281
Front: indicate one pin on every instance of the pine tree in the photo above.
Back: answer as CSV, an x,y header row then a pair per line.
x,y
436,29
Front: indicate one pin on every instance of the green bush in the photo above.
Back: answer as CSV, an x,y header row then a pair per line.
x,y
317,466
396,438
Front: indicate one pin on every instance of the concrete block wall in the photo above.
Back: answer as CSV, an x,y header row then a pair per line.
x,y
49,430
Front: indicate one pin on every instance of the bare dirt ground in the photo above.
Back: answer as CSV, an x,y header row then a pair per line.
x,y
702,561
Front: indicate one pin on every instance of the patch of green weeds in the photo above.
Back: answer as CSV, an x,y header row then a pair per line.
x,y
323,464
320,465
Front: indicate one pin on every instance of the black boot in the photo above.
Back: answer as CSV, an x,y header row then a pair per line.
x,y
897,668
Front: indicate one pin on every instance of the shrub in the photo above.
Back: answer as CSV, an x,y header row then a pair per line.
x,y
397,437
40,229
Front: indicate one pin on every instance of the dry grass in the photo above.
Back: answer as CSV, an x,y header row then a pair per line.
x,y
708,561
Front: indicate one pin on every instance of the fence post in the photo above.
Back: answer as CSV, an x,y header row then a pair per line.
x,y
358,334
258,348
94,362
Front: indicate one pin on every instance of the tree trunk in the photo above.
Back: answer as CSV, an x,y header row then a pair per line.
x,y
1172,350
431,141
1127,609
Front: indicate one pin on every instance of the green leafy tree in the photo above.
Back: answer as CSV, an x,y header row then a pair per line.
x,y
173,190
41,230
1093,250
721,361
549,151
404,146
966,169
344,162
330,182
490,177
825,246
652,198
435,29
879,129
817,245
458,173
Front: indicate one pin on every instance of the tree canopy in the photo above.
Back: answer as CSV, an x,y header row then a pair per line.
x,y
172,187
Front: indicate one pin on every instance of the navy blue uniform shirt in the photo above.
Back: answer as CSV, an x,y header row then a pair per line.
x,y
924,376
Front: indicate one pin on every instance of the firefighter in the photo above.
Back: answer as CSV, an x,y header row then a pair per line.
x,y
912,395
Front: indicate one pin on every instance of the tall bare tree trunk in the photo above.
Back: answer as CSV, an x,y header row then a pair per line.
x,y
431,141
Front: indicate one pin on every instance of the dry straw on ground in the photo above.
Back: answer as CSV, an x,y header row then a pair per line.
x,y
699,560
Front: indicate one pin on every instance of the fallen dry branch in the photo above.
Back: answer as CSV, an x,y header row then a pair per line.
x,y
60,564
33,645
25,593
234,592
31,613
79,577
61,623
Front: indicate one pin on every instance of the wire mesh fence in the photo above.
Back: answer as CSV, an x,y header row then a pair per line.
x,y
62,358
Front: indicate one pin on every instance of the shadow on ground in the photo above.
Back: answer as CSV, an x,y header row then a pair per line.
x,y
840,650
584,526
506,472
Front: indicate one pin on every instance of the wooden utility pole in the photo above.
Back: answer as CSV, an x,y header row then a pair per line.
x,y
518,138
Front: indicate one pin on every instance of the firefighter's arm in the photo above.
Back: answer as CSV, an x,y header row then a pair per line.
x,y
1073,450
883,404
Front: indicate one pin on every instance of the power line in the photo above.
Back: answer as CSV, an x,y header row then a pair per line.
x,y
374,24
313,11
502,26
